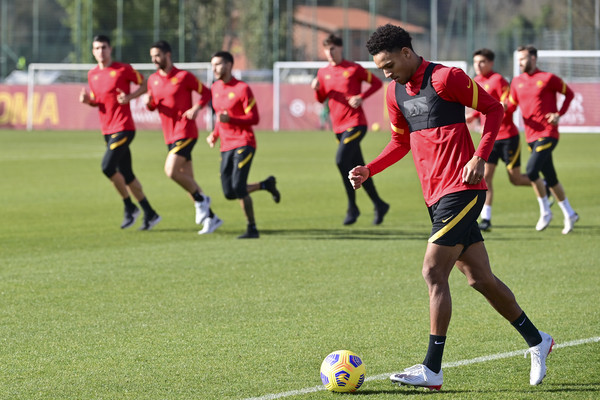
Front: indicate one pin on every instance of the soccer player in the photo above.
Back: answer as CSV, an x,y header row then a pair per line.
x,y
170,92
110,91
507,146
426,104
341,83
535,92
236,112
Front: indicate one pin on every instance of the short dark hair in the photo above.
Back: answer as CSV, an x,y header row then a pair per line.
x,y
225,55
388,38
162,45
487,53
529,48
333,39
101,39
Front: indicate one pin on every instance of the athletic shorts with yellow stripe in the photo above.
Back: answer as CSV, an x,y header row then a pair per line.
x,y
182,147
541,160
454,218
507,150
235,168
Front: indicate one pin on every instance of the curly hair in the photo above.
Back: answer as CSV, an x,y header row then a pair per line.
x,y
388,38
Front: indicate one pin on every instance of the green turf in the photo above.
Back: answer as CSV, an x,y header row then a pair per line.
x,y
88,311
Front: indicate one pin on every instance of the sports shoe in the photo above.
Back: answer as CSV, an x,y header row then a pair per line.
x,y
543,222
250,234
202,209
271,186
419,375
380,212
485,225
130,217
351,216
210,225
539,354
569,223
150,222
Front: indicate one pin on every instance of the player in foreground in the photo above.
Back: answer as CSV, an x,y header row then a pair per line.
x,y
535,92
236,112
507,146
428,117
110,91
340,83
170,92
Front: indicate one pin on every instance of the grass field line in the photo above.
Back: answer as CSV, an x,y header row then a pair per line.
x,y
460,363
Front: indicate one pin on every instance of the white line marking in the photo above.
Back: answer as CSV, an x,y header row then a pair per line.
x,y
445,365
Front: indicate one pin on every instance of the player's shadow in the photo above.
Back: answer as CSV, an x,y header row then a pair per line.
x,y
346,234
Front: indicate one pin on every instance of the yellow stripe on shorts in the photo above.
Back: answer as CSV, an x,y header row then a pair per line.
x,y
514,158
117,144
351,138
245,161
454,221
180,146
543,147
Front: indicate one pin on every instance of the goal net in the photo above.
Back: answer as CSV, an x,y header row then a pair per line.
x,y
581,71
295,106
68,79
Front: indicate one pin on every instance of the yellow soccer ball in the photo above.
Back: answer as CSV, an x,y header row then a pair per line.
x,y
342,371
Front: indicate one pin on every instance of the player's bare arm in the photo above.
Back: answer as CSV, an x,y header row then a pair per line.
x,y
358,175
315,85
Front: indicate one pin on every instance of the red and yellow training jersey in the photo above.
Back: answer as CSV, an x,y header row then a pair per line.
x,y
536,95
440,153
104,82
172,95
237,99
498,88
339,83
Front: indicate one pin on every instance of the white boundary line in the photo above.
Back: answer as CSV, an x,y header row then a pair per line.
x,y
445,365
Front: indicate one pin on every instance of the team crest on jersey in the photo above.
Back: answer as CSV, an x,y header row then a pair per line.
x,y
231,95
113,73
174,80
328,76
486,87
539,83
346,73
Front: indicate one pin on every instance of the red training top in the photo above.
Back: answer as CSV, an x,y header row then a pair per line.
x,y
237,99
498,87
172,96
340,82
441,153
535,94
104,82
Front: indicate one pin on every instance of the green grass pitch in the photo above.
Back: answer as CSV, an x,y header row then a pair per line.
x,y
90,311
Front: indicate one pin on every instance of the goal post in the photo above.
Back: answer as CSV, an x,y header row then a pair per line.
x,y
580,69
39,74
293,99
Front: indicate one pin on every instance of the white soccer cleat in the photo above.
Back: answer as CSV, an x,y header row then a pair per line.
x,y
539,354
419,375
570,223
543,222
210,225
202,209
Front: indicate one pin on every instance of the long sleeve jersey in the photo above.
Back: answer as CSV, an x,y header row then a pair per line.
x,y
536,95
440,153
498,88
104,82
339,83
237,99
172,96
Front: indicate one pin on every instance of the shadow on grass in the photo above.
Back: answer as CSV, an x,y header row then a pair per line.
x,y
346,234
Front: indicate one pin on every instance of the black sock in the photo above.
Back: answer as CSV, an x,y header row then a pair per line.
x,y
435,351
129,206
527,330
197,196
148,210
252,227
210,213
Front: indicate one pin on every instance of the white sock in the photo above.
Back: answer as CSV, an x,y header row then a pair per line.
x,y
486,212
544,205
566,208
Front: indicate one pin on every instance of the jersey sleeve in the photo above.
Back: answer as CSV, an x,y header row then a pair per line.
x,y
133,75
372,80
320,94
561,87
399,144
453,84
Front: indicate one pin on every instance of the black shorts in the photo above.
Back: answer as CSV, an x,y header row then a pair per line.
x,y
454,218
540,160
235,168
182,148
507,150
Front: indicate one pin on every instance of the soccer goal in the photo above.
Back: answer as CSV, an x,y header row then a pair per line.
x,y
581,71
294,104
71,77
